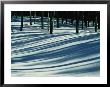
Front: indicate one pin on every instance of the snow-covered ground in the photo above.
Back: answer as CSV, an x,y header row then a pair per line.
x,y
35,52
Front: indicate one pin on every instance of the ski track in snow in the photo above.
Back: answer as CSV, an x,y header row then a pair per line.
x,y
38,54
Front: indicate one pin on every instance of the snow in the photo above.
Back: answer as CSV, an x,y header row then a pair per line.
x,y
35,52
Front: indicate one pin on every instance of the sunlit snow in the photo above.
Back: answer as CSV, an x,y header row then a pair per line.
x,y
35,52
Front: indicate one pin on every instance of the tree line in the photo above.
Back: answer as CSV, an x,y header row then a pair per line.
x,y
84,16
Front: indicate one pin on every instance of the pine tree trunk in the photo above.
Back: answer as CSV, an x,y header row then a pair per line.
x,y
51,23
82,24
82,21
93,22
21,28
34,17
77,22
88,23
42,25
30,19
96,24
66,20
62,20
71,21
48,21
57,22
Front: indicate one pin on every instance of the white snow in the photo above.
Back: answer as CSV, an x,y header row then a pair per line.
x,y
35,52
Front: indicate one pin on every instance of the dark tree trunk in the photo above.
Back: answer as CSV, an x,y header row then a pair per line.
x,y
72,21
93,22
21,28
34,17
30,19
42,25
82,20
77,25
88,23
66,20
82,24
48,20
57,20
51,23
85,20
96,24
98,19
62,20
77,22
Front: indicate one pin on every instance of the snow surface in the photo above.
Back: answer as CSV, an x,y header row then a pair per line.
x,y
35,52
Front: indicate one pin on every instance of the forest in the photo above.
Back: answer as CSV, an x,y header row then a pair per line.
x,y
85,17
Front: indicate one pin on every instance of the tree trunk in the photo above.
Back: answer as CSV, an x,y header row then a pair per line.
x,y
93,22
30,19
77,25
21,28
57,21
88,23
77,22
51,23
48,21
34,17
72,21
82,21
42,25
62,20
66,20
96,24
82,24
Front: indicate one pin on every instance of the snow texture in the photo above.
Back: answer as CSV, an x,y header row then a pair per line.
x,y
37,53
